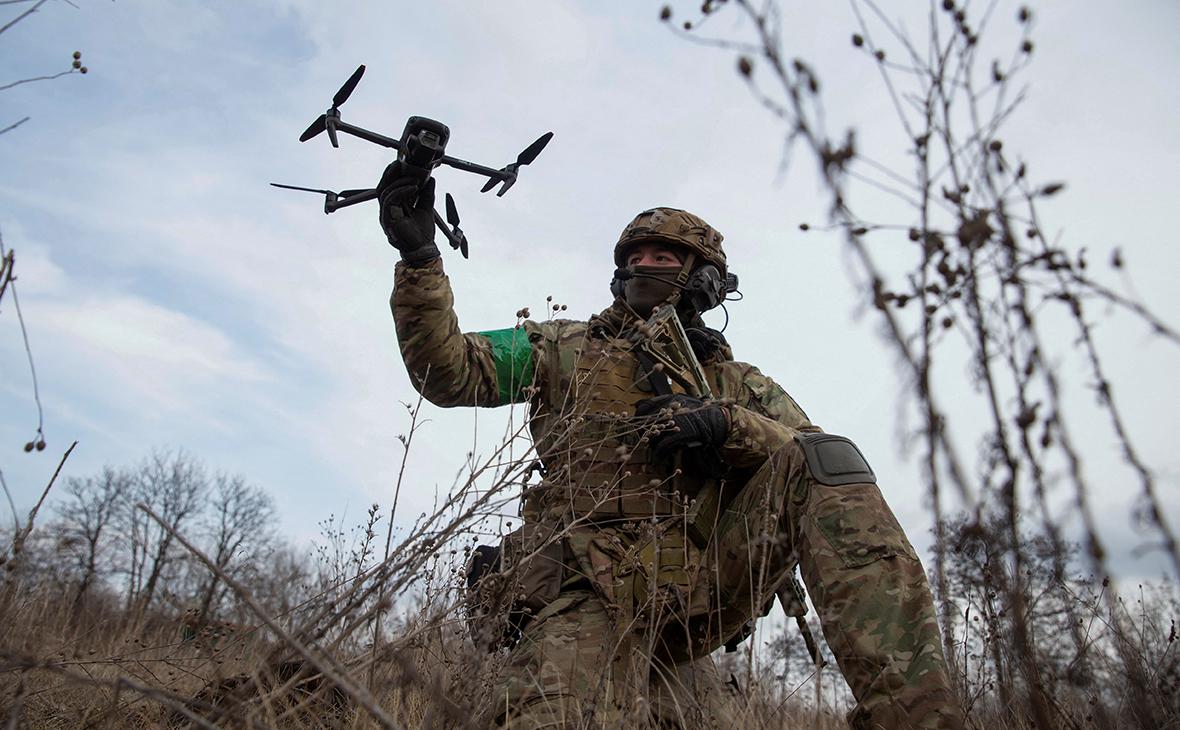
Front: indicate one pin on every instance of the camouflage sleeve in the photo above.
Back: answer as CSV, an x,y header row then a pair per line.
x,y
763,418
448,367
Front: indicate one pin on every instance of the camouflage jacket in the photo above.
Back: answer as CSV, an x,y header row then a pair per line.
x,y
582,381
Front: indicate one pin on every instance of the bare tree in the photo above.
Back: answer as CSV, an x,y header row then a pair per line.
x,y
240,524
174,485
87,516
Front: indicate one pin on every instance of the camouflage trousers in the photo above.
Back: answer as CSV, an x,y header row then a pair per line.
x,y
635,648
575,669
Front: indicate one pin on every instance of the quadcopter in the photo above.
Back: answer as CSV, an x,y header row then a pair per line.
x,y
421,148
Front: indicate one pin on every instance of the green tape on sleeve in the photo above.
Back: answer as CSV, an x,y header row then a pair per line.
x,y
513,355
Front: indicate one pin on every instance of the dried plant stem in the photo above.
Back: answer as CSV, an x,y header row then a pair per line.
x,y
324,664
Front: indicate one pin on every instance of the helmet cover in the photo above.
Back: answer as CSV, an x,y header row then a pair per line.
x,y
676,227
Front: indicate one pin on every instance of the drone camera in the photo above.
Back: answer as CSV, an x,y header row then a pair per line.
x,y
424,142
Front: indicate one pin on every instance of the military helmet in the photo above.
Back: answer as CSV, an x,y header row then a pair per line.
x,y
675,226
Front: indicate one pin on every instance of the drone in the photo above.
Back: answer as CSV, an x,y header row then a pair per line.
x,y
421,148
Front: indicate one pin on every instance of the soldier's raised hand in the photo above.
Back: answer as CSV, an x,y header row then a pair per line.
x,y
407,213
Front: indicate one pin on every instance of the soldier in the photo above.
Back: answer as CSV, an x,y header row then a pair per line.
x,y
672,509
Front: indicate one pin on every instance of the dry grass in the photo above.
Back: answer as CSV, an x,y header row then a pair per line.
x,y
59,670
99,665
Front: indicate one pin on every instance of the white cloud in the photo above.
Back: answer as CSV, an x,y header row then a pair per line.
x,y
146,342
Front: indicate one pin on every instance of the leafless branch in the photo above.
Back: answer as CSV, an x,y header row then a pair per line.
x,y
14,125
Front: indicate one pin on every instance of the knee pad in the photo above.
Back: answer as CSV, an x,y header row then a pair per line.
x,y
834,460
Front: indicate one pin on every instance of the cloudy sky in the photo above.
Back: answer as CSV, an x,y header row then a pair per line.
x,y
174,299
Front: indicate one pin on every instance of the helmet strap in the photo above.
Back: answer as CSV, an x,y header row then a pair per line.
x,y
682,278
686,270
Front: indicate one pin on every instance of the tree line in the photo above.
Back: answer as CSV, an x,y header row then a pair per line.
x,y
99,552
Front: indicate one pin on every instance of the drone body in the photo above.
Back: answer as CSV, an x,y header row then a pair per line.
x,y
421,147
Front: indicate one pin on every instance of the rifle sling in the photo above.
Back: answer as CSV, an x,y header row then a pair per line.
x,y
657,378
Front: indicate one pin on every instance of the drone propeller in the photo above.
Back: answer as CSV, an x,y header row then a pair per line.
x,y
334,201
327,120
453,219
346,90
308,190
528,155
314,128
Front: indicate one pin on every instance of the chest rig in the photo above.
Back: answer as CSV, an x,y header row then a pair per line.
x,y
599,464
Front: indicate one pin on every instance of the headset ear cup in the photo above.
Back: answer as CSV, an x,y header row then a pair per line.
x,y
616,287
705,288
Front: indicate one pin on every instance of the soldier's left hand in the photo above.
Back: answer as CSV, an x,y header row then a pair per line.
x,y
683,422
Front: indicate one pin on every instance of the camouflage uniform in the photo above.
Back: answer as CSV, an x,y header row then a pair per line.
x,y
659,565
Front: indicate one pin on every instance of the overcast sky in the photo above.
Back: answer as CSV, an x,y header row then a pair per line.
x,y
174,299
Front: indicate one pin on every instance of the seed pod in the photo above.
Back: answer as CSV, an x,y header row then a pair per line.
x,y
1052,188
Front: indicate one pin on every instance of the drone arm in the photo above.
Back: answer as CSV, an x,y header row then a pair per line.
x,y
331,206
454,240
368,136
464,165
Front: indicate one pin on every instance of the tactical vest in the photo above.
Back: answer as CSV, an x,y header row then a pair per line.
x,y
598,462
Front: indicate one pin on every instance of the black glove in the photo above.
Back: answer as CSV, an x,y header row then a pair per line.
x,y
706,343
407,213
687,423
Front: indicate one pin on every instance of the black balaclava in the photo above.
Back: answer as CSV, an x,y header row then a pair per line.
x,y
649,287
